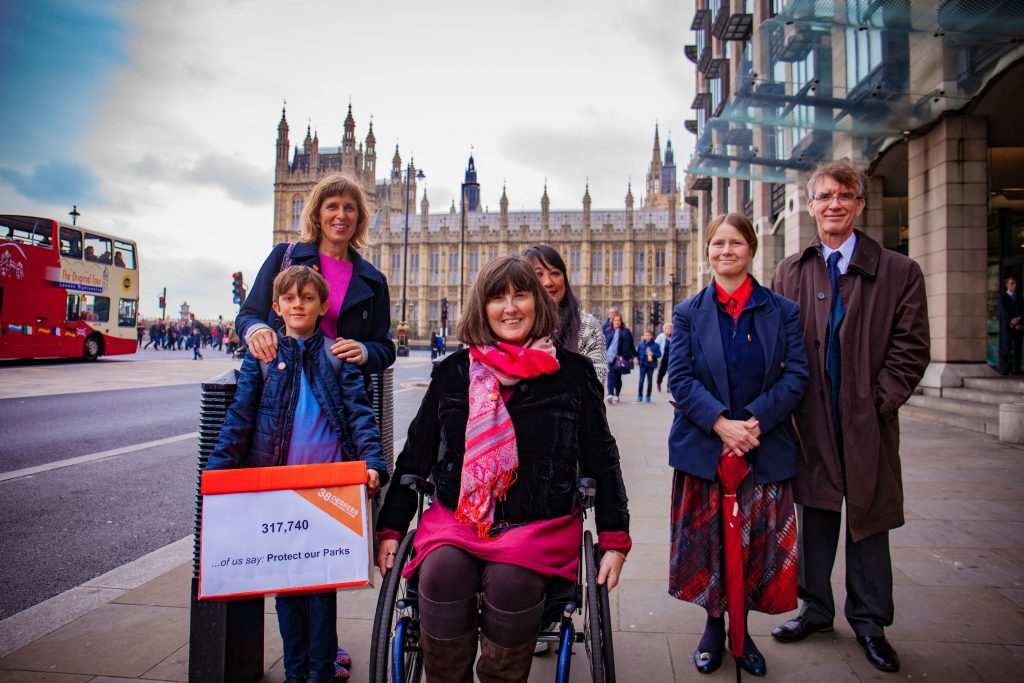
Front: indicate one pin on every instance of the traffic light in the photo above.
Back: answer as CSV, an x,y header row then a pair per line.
x,y
444,311
656,315
237,288
162,305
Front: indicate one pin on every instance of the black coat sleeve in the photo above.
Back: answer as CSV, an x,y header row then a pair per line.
x,y
257,305
599,458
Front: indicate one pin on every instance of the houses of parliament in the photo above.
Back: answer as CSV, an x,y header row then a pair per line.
x,y
628,257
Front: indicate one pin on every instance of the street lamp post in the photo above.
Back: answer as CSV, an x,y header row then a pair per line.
x,y
405,244
673,282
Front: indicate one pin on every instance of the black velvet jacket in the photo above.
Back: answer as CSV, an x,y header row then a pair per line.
x,y
560,428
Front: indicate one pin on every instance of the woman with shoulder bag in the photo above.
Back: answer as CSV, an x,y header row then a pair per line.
x,y
619,351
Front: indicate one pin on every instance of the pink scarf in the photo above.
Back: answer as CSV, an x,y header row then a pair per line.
x,y
489,465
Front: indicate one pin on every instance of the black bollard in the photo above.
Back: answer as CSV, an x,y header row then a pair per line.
x,y
226,637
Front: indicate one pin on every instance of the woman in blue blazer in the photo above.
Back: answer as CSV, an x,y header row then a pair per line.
x,y
738,368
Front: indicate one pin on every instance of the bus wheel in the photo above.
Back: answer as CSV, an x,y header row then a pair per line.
x,y
93,347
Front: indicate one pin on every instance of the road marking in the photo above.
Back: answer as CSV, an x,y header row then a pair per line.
x,y
418,388
28,471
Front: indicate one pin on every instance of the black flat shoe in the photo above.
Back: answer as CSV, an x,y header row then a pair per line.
x,y
707,662
753,664
880,653
797,629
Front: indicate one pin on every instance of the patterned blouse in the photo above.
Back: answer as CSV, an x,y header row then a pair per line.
x,y
591,344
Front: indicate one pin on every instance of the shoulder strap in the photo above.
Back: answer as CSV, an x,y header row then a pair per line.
x,y
286,261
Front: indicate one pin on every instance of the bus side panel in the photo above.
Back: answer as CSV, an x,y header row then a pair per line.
x,y
31,302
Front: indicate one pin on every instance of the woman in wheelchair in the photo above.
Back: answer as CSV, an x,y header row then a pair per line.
x,y
503,431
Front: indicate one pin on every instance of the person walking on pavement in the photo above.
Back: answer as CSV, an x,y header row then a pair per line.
x,y
1011,334
737,370
865,324
607,324
577,330
664,342
648,353
619,353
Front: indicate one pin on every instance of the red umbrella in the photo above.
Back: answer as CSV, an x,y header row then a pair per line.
x,y
731,471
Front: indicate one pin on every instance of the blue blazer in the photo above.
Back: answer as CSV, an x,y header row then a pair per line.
x,y
698,379
365,312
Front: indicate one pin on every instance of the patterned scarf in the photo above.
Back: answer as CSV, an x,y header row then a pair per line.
x,y
489,465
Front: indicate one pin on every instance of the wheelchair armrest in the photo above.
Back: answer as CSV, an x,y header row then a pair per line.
x,y
417,484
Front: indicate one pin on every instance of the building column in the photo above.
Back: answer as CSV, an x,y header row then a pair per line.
x,y
948,207
872,220
764,263
800,227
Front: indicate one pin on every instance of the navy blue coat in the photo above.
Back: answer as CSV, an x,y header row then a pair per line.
x,y
365,313
258,426
698,379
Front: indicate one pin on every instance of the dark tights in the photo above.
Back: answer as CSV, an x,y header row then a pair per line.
x,y
450,575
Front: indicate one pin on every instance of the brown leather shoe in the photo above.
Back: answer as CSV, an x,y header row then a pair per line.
x,y
797,629
880,653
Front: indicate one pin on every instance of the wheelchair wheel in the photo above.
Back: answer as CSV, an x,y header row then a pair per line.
x,y
596,621
389,620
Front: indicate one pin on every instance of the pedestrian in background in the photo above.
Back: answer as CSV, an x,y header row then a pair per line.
x,y
648,353
310,407
577,330
664,342
865,324
1011,334
737,370
619,352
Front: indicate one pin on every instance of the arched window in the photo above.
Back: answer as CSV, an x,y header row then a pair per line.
x,y
297,204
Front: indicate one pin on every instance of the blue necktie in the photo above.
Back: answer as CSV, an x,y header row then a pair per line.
x,y
833,364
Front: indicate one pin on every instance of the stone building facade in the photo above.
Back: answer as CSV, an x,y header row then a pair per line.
x,y
628,257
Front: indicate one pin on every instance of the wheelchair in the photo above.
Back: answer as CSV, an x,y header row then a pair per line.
x,y
395,653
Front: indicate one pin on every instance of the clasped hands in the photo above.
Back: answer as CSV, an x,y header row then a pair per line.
x,y
739,437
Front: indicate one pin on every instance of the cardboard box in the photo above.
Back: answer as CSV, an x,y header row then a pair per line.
x,y
284,530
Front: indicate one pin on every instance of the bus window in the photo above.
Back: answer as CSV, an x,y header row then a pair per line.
x,y
97,249
72,314
95,309
31,231
70,243
124,254
126,312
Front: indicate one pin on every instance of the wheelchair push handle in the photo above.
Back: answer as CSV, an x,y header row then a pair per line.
x,y
417,484
587,489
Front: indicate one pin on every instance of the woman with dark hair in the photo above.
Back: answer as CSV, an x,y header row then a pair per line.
x,y
577,330
335,221
619,354
503,429
737,370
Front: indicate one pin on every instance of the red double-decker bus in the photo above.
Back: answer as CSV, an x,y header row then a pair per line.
x,y
65,290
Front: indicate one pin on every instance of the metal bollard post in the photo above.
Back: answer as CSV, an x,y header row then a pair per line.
x,y
225,638
384,409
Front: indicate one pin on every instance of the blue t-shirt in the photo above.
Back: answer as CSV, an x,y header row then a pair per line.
x,y
313,438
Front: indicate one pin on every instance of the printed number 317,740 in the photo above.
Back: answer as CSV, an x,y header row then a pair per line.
x,y
285,527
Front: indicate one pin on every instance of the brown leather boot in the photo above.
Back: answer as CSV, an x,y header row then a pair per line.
x,y
449,660
506,643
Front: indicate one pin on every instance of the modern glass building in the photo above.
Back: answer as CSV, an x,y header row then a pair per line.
x,y
924,93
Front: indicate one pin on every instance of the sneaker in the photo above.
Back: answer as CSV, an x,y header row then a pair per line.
x,y
639,398
609,399
343,659
648,400
615,399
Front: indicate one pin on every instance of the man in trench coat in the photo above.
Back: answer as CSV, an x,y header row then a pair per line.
x,y
868,348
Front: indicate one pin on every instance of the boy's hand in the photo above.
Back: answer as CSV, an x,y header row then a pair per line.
x,y
347,350
372,482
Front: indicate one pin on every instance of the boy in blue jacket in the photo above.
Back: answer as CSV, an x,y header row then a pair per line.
x,y
647,354
306,407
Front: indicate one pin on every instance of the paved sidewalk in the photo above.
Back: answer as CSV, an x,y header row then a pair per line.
x,y
958,569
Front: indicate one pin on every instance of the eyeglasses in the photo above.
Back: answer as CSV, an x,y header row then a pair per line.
x,y
843,197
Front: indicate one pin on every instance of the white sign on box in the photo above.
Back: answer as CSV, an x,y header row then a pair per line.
x,y
281,530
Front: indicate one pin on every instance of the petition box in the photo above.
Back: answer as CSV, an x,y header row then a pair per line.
x,y
284,530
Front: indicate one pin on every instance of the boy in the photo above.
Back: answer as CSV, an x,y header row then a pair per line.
x,y
305,407
647,354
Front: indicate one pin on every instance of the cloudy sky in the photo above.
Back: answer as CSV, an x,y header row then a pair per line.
x,y
158,118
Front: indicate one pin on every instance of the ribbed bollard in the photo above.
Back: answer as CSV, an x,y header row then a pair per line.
x,y
384,409
225,638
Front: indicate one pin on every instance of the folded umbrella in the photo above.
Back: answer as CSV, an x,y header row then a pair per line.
x,y
731,471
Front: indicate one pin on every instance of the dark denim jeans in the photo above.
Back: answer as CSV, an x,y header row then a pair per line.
x,y
648,375
309,632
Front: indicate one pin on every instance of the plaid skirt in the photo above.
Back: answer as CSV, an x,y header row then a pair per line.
x,y
769,544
